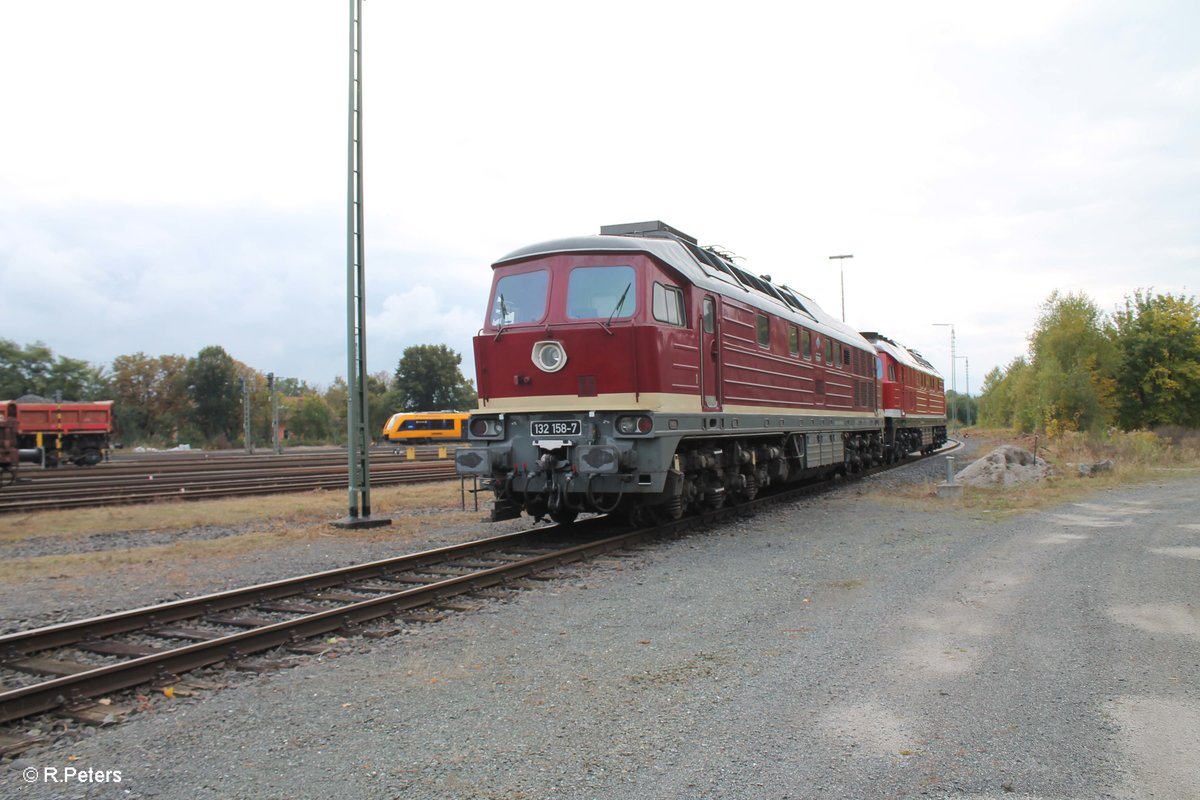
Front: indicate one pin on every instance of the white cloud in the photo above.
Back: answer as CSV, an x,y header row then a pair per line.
x,y
175,176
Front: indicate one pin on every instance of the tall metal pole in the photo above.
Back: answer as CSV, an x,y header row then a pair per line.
x,y
276,443
842,276
246,432
358,440
953,383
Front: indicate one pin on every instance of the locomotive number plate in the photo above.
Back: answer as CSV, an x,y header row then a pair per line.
x,y
566,427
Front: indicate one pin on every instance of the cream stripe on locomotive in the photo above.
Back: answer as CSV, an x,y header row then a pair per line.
x,y
647,401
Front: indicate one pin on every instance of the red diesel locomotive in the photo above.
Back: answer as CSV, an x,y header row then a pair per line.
x,y
636,372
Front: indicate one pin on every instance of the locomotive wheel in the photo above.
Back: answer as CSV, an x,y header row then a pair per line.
x,y
751,489
674,507
563,515
715,498
692,495
537,507
637,517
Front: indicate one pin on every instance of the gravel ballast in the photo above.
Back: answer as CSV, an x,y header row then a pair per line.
x,y
839,647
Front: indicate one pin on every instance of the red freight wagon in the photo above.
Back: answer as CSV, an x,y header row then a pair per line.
x,y
75,432
9,453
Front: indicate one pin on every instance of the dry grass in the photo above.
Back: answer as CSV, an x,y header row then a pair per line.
x,y
1137,457
261,524
280,509
258,525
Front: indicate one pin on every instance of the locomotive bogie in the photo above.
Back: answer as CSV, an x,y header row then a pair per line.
x,y
683,462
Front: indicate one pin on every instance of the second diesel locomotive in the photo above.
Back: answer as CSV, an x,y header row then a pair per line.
x,y
637,372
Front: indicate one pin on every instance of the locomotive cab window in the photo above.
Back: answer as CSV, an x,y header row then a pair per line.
x,y
710,316
668,304
601,293
520,298
763,323
806,343
793,340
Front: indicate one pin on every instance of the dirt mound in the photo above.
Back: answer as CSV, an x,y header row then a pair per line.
x,y
1004,466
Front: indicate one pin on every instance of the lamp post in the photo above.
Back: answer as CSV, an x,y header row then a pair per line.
x,y
953,384
842,278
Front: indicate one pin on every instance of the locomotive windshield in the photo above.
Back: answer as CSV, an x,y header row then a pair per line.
x,y
520,298
601,293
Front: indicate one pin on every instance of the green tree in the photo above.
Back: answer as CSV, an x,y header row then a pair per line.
x,y
215,391
379,403
151,397
23,370
336,399
310,420
33,369
291,387
966,409
77,380
428,378
1159,342
997,398
1074,365
378,400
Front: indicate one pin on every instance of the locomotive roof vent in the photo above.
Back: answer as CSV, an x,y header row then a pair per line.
x,y
654,227
710,256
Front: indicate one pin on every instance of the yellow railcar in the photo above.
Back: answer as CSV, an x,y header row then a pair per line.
x,y
432,426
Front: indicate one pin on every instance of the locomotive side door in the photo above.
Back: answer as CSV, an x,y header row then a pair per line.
x,y
710,354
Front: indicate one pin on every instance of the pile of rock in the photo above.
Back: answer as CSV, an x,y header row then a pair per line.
x,y
1004,466
1088,470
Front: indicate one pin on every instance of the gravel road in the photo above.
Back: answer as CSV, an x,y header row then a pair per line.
x,y
842,647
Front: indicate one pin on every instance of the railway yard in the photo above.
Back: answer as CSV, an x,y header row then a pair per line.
x,y
870,640
196,475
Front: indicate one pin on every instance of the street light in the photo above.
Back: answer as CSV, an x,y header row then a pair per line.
x,y
953,383
842,276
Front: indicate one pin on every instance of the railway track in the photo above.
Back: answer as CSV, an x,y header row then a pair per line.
x,y
200,476
62,667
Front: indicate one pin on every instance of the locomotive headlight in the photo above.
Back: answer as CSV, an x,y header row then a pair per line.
x,y
549,356
631,426
486,428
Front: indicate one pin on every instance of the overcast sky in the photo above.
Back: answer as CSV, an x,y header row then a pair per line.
x,y
173,175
